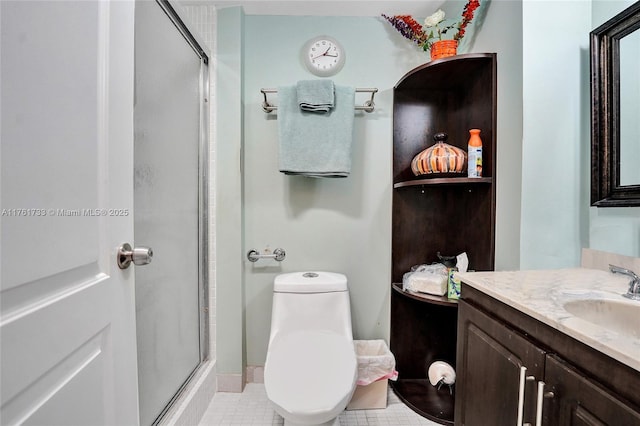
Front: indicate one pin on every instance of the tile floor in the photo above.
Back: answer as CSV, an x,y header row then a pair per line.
x,y
252,408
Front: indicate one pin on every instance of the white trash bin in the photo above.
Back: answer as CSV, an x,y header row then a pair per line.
x,y
376,366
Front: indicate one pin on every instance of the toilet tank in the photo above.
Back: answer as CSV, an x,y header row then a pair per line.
x,y
311,301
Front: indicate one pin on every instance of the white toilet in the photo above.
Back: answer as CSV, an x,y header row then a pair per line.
x,y
311,367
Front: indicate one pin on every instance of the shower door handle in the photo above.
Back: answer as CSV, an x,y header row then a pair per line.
x,y
139,256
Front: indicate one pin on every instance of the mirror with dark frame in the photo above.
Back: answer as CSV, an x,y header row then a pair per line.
x,y
615,102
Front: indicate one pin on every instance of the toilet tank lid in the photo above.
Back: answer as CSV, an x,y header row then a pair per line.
x,y
310,282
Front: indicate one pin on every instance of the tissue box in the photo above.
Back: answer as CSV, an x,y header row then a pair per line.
x,y
454,285
371,396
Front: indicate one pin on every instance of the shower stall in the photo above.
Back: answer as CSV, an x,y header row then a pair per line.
x,y
170,188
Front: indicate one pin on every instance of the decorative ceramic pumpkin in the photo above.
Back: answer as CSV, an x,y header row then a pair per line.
x,y
439,158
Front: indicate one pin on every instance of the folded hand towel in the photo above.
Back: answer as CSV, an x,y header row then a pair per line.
x,y
315,95
315,145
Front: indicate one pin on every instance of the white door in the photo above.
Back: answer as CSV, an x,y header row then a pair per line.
x,y
67,321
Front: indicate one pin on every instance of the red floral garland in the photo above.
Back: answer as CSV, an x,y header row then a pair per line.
x,y
467,17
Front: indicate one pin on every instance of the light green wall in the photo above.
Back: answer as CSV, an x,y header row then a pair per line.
x,y
556,218
340,225
344,225
556,133
614,230
230,317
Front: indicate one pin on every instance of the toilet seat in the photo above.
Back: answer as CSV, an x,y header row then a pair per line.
x,y
310,374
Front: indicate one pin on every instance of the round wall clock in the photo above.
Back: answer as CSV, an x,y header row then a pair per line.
x,y
323,56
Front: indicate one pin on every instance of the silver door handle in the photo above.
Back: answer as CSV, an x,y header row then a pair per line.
x,y
540,401
138,255
521,389
521,383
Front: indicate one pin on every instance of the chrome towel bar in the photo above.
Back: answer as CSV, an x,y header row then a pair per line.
x,y
368,106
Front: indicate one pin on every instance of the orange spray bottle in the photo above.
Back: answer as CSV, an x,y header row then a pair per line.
x,y
474,169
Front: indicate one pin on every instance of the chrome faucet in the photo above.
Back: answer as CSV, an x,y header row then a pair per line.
x,y
634,284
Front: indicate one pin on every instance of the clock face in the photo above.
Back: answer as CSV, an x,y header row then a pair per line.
x,y
323,56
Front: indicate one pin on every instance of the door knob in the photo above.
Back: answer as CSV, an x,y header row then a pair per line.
x,y
138,255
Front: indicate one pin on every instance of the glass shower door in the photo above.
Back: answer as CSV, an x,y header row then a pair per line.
x,y
166,198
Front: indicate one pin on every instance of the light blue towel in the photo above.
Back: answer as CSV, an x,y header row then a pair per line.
x,y
315,95
315,145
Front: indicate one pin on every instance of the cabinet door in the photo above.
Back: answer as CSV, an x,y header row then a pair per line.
x,y
490,357
578,401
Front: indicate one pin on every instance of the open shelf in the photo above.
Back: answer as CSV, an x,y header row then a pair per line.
x,y
443,181
424,297
426,400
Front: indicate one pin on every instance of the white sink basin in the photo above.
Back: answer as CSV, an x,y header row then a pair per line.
x,y
616,315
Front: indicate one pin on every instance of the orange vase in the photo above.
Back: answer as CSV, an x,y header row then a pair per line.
x,y
443,49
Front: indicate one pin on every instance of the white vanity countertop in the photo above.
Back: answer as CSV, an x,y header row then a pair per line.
x,y
542,295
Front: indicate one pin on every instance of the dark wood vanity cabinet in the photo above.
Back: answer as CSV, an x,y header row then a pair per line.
x,y
450,214
580,401
578,385
490,359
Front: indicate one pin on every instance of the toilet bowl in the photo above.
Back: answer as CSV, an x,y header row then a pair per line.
x,y
311,367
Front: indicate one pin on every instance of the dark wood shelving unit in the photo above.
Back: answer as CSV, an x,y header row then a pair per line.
x,y
446,214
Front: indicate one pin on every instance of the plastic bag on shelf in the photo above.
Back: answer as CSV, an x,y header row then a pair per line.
x,y
430,279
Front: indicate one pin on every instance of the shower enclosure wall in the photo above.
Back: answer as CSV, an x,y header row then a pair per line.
x,y
170,192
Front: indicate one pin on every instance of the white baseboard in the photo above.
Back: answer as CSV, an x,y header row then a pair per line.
x,y
231,383
255,374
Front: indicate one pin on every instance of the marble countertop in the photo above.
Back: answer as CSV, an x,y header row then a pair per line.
x,y
543,294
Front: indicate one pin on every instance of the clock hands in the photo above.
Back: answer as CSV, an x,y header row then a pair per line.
x,y
326,53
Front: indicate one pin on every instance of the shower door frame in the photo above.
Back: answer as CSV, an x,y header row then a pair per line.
x,y
203,200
